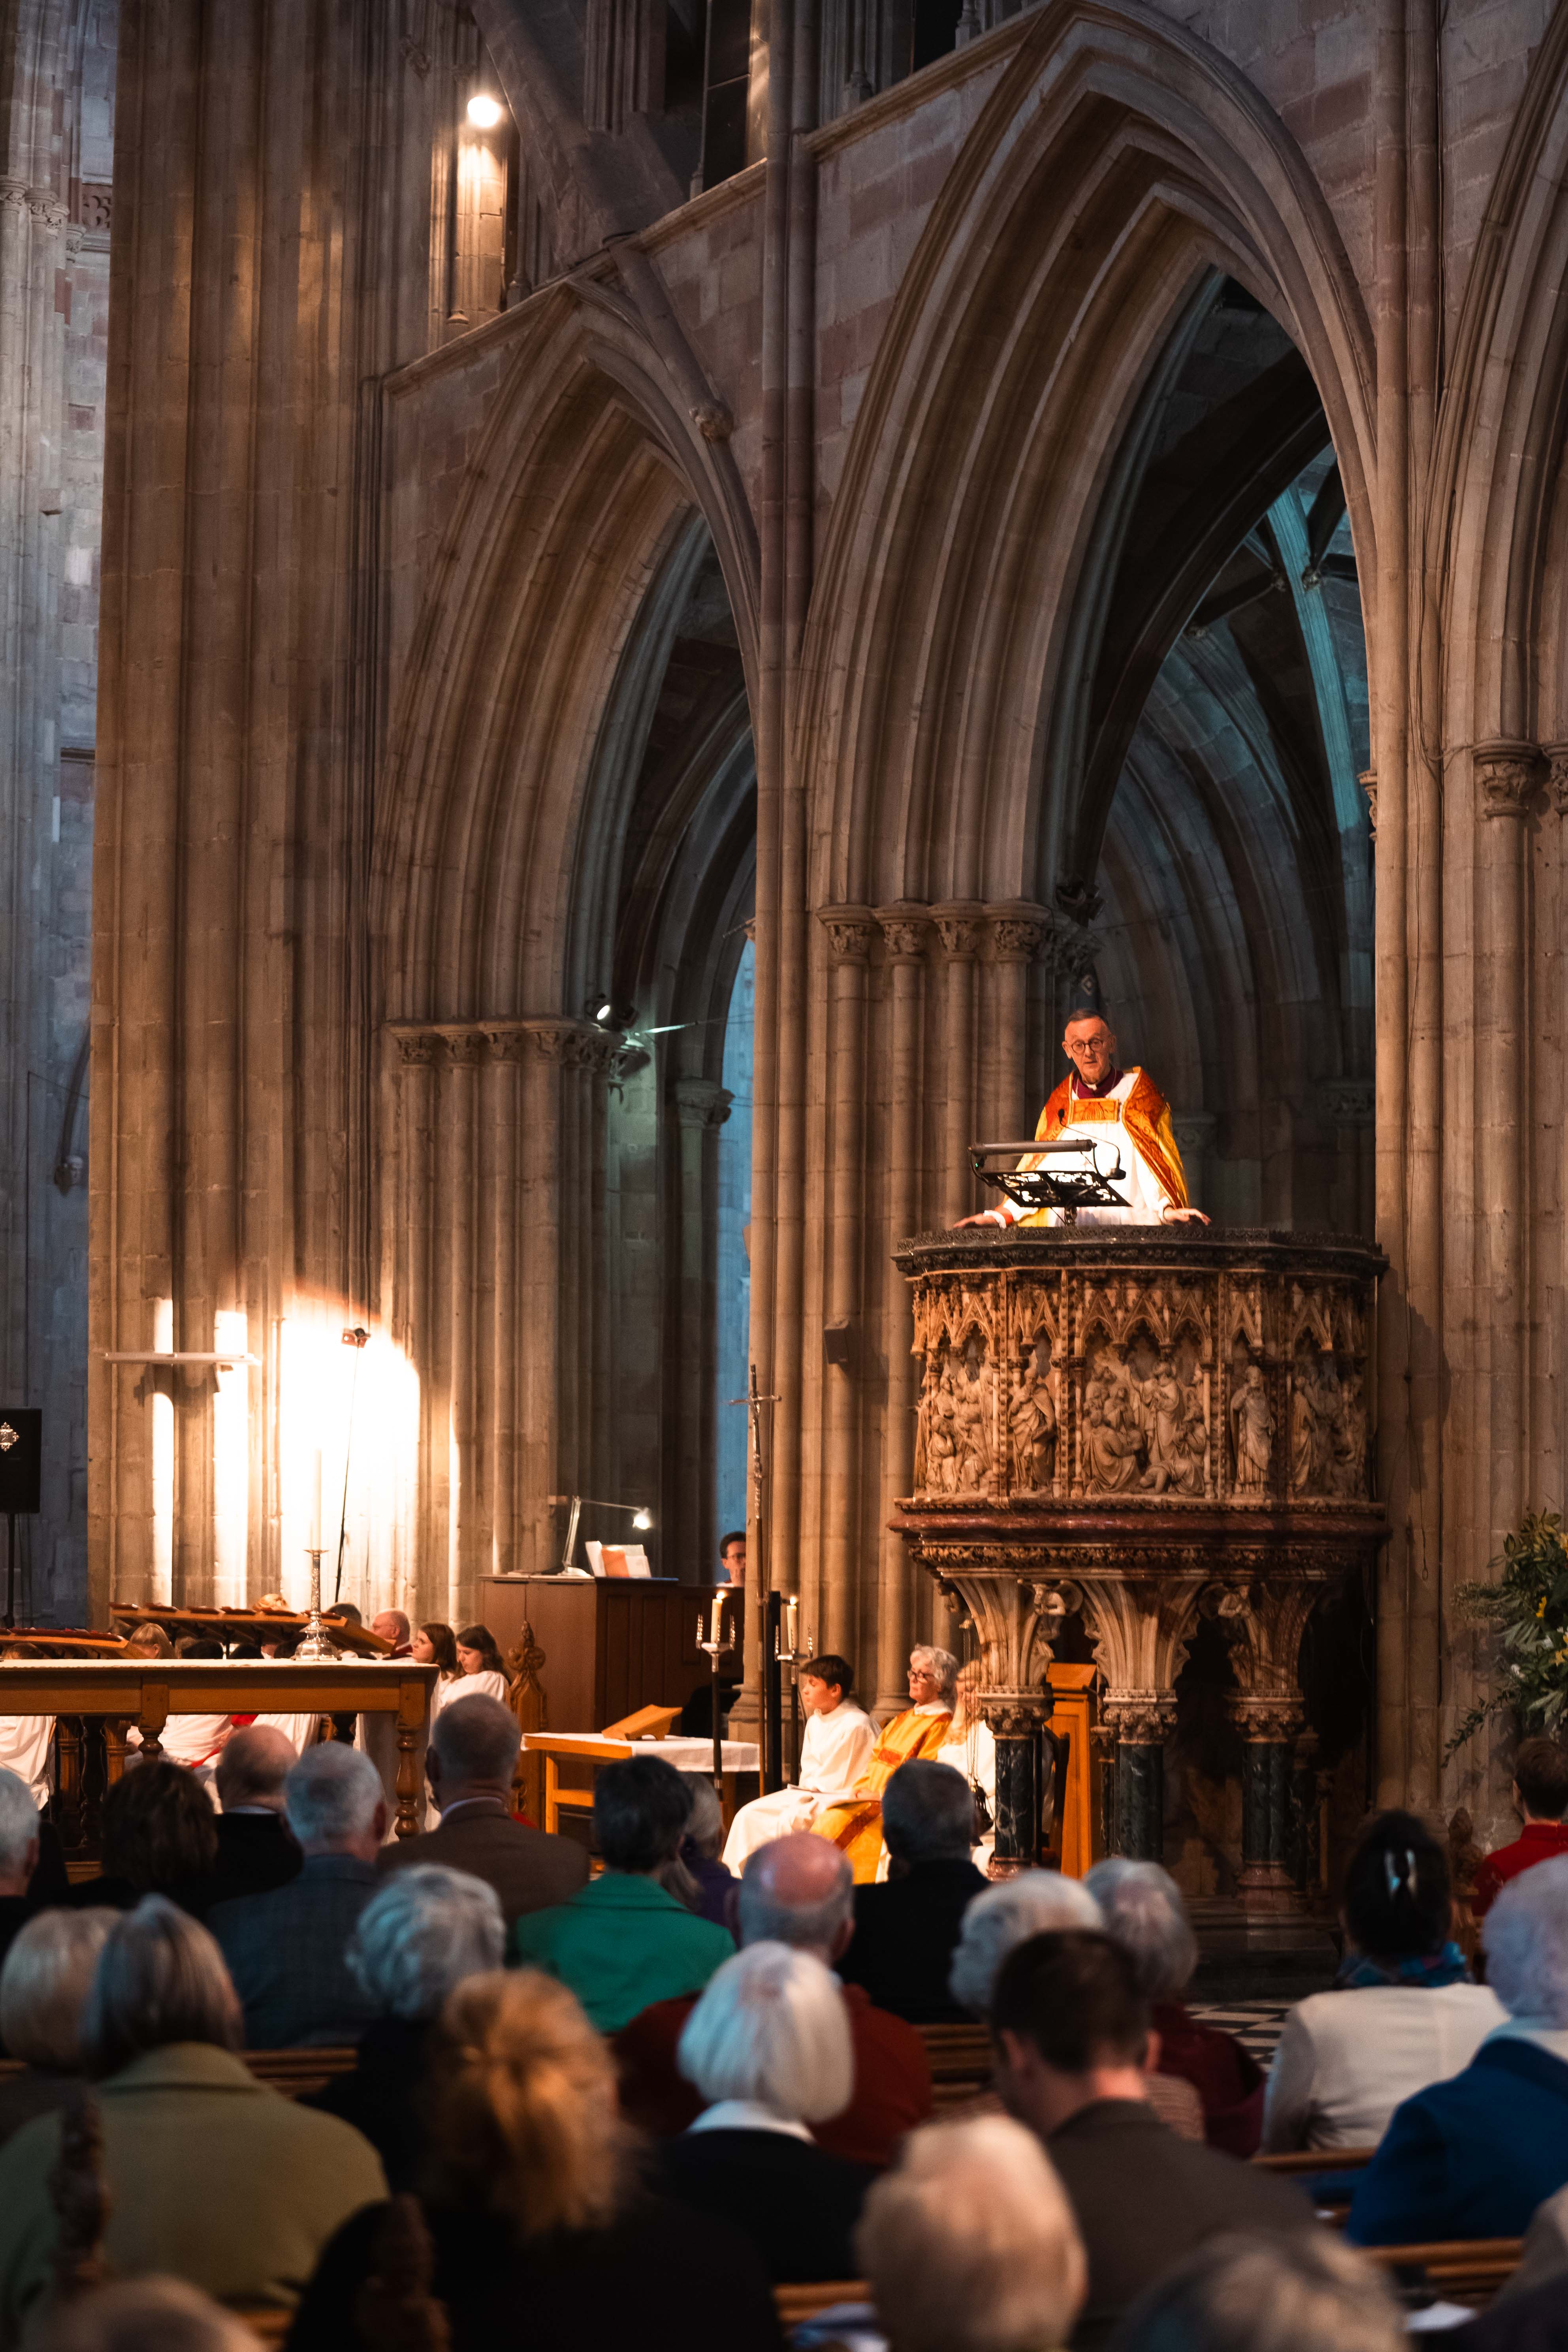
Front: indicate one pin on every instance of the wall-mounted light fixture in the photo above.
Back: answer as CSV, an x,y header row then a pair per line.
x,y
642,1518
484,111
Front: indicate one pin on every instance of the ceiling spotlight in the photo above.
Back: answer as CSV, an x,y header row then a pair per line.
x,y
484,111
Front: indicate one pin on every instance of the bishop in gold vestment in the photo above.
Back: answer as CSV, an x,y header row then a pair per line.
x,y
855,1825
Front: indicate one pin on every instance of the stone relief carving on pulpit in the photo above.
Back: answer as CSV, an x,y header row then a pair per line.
x,y
1032,1419
1251,1428
1113,1440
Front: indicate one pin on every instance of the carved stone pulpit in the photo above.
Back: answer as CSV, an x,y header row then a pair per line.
x,y
1148,1425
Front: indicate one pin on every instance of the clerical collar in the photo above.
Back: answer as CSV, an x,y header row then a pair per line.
x,y
1096,1094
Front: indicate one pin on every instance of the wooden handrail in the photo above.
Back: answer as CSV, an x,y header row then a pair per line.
x,y
1316,2159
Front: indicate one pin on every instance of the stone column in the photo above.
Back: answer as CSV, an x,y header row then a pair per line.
x,y
959,926
1268,1727
906,934
1016,1731
687,1537
851,930
1143,1722
1508,776
1015,937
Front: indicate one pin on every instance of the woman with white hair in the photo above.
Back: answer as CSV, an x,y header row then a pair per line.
x,y
419,1938
211,2177
855,1825
43,1985
768,2046
970,2245
1473,2157
1035,1903
1146,1914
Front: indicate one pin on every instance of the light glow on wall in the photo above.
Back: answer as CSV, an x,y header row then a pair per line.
x,y
353,1406
162,1446
231,1462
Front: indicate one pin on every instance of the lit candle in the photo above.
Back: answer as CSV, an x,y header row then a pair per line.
x,y
313,1541
791,1613
718,1621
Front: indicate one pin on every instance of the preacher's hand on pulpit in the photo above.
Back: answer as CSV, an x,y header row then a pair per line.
x,y
1126,1099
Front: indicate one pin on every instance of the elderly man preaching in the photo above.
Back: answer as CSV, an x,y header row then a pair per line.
x,y
1099,1103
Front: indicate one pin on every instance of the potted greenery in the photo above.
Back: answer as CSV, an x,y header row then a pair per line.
x,y
1528,1605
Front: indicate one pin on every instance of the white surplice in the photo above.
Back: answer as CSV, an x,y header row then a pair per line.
x,y
834,1754
26,1750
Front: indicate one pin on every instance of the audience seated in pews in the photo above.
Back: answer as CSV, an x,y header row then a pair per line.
x,y
1474,2157
714,1886
285,1949
47,1972
907,1929
970,2245
255,1850
469,1763
798,1890
416,1940
1541,1796
769,2052
1006,1916
1073,2056
539,2218
1144,1913
1305,2292
160,1832
1404,2012
210,2177
151,2314
624,1940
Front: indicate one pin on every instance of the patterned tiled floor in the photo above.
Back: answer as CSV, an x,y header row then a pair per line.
x,y
1257,2024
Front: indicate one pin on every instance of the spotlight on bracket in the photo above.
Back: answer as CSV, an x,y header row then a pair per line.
x,y
484,111
609,1012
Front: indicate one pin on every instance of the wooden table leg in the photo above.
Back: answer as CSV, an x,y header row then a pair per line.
x,y
154,1715
410,1720
68,1806
113,1748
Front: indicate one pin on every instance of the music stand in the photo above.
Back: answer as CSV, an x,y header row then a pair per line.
x,y
1073,1175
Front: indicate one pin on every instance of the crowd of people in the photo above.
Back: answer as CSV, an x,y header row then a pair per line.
x,y
650,2094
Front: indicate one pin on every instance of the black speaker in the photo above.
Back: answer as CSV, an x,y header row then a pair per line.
x,y
21,1458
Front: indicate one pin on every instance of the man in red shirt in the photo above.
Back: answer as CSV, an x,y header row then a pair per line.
x,y
798,1890
1541,1793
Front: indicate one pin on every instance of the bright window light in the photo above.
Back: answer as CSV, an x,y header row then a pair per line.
x,y
484,112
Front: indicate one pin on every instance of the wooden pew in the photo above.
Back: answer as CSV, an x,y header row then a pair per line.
x,y
295,2072
961,2061
1467,2270
1316,2159
805,2298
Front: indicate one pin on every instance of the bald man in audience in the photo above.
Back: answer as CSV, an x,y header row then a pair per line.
x,y
255,1850
470,1765
798,1890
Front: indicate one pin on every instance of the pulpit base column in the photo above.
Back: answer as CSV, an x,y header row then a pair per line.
x,y
1016,1728
1268,1728
1142,1726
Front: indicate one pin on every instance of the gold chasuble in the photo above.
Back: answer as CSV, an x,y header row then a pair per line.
x,y
855,1824
1155,1177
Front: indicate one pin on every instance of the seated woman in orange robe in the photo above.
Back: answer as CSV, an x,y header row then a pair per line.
x,y
856,1824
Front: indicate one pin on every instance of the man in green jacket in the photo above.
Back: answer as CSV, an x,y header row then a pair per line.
x,y
623,1941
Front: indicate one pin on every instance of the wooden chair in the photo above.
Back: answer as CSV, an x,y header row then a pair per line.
x,y
805,2298
1316,2159
1467,2269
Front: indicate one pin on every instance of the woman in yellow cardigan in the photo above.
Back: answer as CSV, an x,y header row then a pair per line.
x,y
855,1825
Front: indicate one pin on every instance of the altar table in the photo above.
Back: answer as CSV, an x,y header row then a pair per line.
x,y
147,1691
737,1759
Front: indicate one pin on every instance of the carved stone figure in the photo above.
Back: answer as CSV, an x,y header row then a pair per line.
x,y
1032,1419
1349,1438
1252,1430
971,1425
1193,1442
1162,1402
1113,1442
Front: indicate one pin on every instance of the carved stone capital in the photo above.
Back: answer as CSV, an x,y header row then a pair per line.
x,y
1557,775
701,1102
958,927
1013,1715
1140,1719
1509,775
1275,1717
906,932
466,1045
1016,933
851,930
1367,780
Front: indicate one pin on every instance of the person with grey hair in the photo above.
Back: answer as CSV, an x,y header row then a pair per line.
x,y
905,1929
255,1850
795,1890
1292,2292
419,1935
970,2244
469,1763
1035,1903
150,2315
855,1823
1146,1914
43,1985
769,2050
713,1886
287,1949
211,2177
1475,2156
